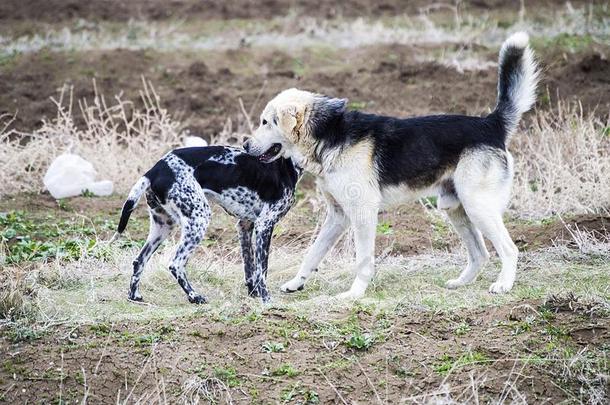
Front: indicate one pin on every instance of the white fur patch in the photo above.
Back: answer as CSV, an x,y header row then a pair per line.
x,y
522,92
518,40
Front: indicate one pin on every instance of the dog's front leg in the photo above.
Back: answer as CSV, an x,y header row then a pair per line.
x,y
332,229
263,232
244,229
364,225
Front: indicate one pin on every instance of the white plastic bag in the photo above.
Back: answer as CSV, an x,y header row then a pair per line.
x,y
69,175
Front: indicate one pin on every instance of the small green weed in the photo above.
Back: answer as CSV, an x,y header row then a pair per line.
x,y
273,347
228,375
295,390
285,369
446,363
100,329
462,329
359,341
384,228
23,332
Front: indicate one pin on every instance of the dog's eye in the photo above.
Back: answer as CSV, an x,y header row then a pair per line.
x,y
264,122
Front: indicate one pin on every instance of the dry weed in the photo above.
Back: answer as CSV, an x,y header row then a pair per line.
x,y
562,163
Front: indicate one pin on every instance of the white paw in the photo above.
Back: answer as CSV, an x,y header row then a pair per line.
x,y
296,284
455,283
349,295
500,287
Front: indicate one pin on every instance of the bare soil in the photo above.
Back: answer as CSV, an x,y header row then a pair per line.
x,y
411,354
204,90
118,10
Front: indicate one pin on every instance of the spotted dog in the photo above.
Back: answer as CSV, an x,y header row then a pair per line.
x,y
179,188
366,162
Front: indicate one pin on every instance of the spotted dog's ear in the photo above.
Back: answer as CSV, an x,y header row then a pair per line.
x,y
290,118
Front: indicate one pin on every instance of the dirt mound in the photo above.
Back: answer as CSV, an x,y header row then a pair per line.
x,y
529,236
584,78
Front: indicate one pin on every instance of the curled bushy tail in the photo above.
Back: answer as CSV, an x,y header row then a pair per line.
x,y
518,76
134,196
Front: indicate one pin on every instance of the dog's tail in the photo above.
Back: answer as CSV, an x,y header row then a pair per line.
x,y
518,76
134,196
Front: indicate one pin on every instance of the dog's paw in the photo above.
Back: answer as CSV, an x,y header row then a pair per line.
x,y
296,284
135,297
253,292
500,287
198,299
349,295
455,283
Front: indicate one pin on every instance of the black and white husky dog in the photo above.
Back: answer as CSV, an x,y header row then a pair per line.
x,y
365,162
178,190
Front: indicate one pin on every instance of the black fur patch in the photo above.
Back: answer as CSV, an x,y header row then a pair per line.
x,y
415,151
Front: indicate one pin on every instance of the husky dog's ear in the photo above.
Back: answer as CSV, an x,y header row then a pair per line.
x,y
290,118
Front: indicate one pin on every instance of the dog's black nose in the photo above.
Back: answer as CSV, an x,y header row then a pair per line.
x,y
247,145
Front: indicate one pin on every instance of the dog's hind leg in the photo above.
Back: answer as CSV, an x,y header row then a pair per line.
x,y
334,226
477,252
244,229
161,225
195,213
483,185
449,202
263,232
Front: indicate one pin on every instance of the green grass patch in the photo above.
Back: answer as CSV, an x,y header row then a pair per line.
x,y
446,363
285,369
30,238
228,375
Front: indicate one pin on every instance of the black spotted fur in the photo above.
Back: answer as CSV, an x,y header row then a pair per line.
x,y
178,190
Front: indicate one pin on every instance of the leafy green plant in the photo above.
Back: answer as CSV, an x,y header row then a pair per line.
x,y
295,390
384,228
30,238
429,202
228,375
462,329
273,347
311,397
285,369
289,393
63,205
359,341
23,332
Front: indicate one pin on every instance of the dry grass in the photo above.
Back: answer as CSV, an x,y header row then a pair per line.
x,y
562,163
562,160
121,139
297,32
94,288
118,138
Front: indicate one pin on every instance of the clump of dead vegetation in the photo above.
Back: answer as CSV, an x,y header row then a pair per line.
x,y
562,163
121,138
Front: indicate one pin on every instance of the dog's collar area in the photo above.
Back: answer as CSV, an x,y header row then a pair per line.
x,y
271,153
